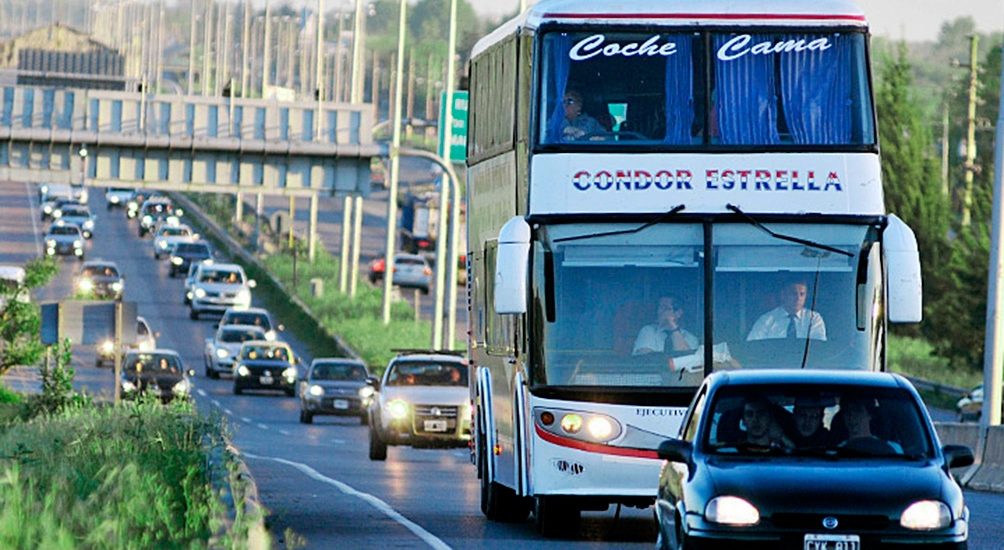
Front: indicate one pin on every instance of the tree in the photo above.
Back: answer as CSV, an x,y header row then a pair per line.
x,y
20,321
910,173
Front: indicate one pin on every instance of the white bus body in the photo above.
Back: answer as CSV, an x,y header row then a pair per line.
x,y
730,169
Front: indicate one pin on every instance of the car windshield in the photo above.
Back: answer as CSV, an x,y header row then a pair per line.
x,y
405,260
427,373
232,336
153,362
338,371
221,276
265,353
100,271
75,212
816,420
247,318
64,230
175,232
192,249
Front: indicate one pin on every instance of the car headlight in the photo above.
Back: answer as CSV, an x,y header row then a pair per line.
x,y
107,347
44,189
47,209
397,409
926,515
729,510
290,373
270,335
117,286
222,353
114,199
85,285
200,293
128,386
147,220
244,295
78,243
51,243
82,199
162,244
316,390
146,345
366,391
181,388
57,214
243,371
176,260
89,224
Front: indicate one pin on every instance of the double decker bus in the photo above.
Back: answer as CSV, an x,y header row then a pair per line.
x,y
657,191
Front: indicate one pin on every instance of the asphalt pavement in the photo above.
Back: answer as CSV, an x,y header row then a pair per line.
x,y
316,480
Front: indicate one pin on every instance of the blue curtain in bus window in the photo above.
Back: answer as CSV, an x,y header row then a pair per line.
x,y
561,45
744,98
816,91
679,92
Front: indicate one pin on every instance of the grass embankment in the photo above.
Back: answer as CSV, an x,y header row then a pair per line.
x,y
132,476
356,320
914,357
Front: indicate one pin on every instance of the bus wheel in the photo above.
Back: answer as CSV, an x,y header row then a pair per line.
x,y
555,517
498,502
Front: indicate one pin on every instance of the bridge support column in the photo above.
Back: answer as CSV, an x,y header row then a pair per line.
x,y
292,222
259,208
343,268
239,208
357,234
312,230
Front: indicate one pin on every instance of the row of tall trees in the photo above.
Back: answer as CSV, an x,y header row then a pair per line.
x,y
954,257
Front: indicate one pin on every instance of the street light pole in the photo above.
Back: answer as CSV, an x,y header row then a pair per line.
x,y
451,282
266,57
970,166
319,69
245,47
993,354
388,279
356,92
191,50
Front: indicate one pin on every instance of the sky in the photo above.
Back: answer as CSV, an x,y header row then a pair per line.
x,y
912,20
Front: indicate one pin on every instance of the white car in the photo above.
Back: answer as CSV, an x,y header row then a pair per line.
x,y
218,287
117,197
146,340
224,347
169,235
64,239
422,401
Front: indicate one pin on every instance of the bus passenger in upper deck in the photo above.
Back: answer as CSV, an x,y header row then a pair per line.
x,y
577,125
666,334
790,319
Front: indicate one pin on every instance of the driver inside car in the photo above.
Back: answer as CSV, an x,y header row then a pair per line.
x,y
577,125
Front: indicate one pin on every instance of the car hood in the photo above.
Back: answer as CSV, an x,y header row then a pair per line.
x,y
231,347
346,387
278,366
192,255
217,287
430,395
104,280
852,486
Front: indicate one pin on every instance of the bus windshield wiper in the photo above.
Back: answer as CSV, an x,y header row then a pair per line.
x,y
806,242
662,217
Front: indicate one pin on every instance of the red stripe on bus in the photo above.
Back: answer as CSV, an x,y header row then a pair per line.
x,y
723,16
593,447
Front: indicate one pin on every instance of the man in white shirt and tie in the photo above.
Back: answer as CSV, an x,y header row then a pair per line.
x,y
791,319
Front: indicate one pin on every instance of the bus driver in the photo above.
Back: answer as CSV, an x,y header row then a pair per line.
x,y
790,319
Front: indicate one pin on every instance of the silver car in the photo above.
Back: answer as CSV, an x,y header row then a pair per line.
x,y
77,214
64,239
222,350
335,386
218,287
422,401
410,271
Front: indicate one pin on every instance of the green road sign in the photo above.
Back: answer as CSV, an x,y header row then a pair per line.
x,y
458,137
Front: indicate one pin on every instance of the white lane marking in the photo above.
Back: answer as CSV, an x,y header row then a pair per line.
x,y
245,420
216,403
284,432
229,412
262,426
337,441
427,537
201,391
34,219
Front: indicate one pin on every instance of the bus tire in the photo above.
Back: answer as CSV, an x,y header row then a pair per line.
x,y
555,517
498,502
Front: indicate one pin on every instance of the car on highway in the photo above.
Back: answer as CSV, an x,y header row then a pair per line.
x,y
168,235
12,285
804,459
410,271
970,406
54,204
422,401
77,214
184,254
222,350
265,365
256,316
219,287
137,199
100,279
146,340
64,239
117,197
158,372
154,210
335,386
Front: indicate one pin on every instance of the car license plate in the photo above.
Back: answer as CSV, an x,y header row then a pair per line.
x,y
266,380
435,425
832,542
341,404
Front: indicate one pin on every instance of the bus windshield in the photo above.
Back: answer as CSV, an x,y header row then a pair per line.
x,y
781,90
629,309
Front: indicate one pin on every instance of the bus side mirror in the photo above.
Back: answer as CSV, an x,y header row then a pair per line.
x,y
903,273
511,265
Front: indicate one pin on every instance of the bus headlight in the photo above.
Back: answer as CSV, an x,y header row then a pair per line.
x,y
571,423
147,220
51,243
162,244
579,425
47,209
397,409
600,428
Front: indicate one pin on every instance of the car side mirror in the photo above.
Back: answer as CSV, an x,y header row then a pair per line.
x,y
675,450
252,283
957,456
281,327
372,381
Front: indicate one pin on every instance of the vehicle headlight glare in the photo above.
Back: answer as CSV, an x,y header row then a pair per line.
x,y
244,295
397,409
146,345
47,209
600,428
290,373
243,371
177,261
270,336
162,244
78,243
147,220
89,224
571,423
316,390
85,285
926,515
117,286
222,353
107,347
181,388
51,243
729,510
114,199
366,391
200,293
128,386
